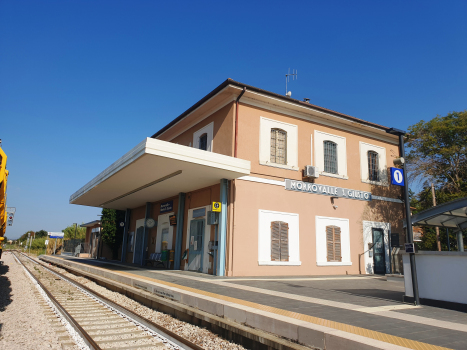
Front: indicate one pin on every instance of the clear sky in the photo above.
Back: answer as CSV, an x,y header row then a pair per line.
x,y
82,82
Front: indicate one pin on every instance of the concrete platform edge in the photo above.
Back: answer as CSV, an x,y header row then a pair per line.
x,y
221,311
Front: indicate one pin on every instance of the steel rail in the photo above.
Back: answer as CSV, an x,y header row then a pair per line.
x,y
84,335
129,313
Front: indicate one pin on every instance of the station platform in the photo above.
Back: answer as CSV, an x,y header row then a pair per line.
x,y
324,312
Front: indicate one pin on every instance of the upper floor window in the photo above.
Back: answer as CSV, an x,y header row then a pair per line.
x,y
278,146
373,166
203,142
279,241
330,157
203,138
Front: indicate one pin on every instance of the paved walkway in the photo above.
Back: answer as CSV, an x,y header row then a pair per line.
x,y
367,306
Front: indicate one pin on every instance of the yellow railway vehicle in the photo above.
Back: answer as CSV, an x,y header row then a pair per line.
x,y
3,183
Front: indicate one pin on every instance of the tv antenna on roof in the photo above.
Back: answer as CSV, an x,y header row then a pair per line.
x,y
294,76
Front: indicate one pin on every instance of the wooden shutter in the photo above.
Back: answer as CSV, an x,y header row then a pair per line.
x,y
278,147
337,244
279,241
275,241
330,242
284,233
333,243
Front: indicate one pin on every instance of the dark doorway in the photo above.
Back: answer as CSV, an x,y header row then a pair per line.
x,y
379,252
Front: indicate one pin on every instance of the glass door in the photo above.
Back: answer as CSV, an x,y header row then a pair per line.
x,y
379,252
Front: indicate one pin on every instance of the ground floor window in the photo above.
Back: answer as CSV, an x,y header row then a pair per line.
x,y
332,241
279,241
278,238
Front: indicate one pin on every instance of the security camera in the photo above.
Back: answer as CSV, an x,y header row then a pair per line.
x,y
335,206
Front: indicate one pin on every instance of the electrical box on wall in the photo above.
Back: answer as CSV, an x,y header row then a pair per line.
x,y
212,218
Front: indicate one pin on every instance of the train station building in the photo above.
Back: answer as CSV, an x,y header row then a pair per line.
x,y
303,190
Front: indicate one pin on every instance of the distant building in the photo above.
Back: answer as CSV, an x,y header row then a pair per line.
x,y
304,190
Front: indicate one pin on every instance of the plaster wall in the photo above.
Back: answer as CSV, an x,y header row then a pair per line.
x,y
223,131
251,197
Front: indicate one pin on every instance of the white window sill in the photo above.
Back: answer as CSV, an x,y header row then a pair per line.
x,y
344,177
279,263
378,183
334,263
274,165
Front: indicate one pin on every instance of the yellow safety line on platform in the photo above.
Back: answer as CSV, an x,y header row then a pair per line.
x,y
387,338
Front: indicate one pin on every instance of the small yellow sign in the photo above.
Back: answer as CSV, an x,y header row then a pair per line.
x,y
216,206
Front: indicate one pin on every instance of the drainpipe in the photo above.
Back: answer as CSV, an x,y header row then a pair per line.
x,y
236,120
125,235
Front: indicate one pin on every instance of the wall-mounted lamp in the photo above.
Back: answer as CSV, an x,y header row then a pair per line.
x,y
332,202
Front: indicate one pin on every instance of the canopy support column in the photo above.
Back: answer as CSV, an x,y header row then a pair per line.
x,y
125,234
179,235
460,241
144,252
222,234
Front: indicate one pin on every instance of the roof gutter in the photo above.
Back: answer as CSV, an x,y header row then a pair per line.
x,y
236,120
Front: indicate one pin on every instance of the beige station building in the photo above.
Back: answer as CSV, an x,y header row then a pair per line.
x,y
303,190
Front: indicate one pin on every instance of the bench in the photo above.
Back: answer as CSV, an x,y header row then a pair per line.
x,y
155,259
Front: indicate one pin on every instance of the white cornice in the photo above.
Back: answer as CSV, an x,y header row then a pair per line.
x,y
316,116
290,108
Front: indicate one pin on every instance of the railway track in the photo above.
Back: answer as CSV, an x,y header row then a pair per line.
x,y
95,322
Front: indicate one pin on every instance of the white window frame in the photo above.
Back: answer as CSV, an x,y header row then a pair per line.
x,y
382,163
341,142
209,131
321,247
266,125
368,238
265,217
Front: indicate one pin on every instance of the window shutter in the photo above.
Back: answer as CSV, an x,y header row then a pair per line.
x,y
275,241
278,150
337,244
284,233
273,146
333,243
330,242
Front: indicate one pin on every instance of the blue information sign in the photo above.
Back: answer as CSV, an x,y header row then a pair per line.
x,y
397,176
167,206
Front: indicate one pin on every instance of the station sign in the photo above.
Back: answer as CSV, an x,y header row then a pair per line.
x,y
397,176
56,234
167,206
308,187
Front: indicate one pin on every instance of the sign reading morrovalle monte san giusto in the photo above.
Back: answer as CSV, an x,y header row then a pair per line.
x,y
307,187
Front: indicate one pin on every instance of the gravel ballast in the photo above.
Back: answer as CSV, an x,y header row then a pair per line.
x,y
195,334
22,321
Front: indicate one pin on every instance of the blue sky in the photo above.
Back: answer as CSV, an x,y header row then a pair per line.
x,y
82,82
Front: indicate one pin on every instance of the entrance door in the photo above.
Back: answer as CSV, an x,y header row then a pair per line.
x,y
138,253
379,252
195,257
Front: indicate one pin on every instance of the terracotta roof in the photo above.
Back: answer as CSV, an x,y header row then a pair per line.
x,y
265,92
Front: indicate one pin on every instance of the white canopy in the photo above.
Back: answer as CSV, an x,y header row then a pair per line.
x,y
155,170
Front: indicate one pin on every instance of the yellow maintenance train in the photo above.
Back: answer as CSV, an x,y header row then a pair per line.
x,y
3,181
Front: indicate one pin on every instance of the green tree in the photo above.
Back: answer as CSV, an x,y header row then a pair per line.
x,y
69,232
112,232
438,154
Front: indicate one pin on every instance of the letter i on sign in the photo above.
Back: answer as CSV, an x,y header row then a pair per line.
x,y
397,176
